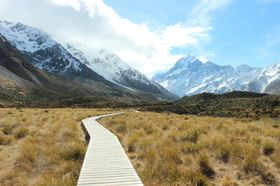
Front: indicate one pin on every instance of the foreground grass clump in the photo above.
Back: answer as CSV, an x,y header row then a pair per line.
x,y
42,146
169,149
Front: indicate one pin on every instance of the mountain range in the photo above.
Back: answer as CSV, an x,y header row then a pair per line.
x,y
34,66
113,68
190,76
103,74
23,84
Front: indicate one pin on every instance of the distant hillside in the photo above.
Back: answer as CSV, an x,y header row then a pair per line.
x,y
50,56
23,84
233,104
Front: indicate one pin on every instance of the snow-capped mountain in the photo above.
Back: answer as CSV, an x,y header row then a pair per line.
x,y
94,68
44,52
268,76
271,75
191,76
113,68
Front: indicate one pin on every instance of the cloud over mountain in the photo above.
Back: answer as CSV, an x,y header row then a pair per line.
x,y
98,25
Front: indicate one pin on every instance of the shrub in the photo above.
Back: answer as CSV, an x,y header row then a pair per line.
x,y
191,148
148,129
241,151
171,154
253,166
49,179
226,181
204,165
222,147
276,158
72,151
268,178
4,139
132,139
27,157
165,127
121,128
191,135
224,152
268,147
20,132
7,128
197,178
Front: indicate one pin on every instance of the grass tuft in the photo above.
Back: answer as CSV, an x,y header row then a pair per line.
x,y
268,147
20,132
72,151
204,165
5,139
191,135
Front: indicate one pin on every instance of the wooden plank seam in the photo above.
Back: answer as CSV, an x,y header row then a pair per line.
x,y
105,162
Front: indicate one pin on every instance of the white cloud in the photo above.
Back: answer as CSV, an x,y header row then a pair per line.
x,y
209,56
99,26
72,3
178,35
201,14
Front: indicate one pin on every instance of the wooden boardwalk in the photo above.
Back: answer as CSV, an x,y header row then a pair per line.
x,y
106,162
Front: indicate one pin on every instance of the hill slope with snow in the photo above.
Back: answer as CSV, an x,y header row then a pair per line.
x,y
190,76
45,53
48,55
114,69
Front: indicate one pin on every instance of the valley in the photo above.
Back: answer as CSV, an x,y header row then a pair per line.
x,y
45,54
198,123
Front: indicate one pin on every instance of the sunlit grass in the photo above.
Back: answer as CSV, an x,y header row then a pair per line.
x,y
42,146
170,149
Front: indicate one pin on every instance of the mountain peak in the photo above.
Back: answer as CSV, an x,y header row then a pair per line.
x,y
186,61
26,38
192,76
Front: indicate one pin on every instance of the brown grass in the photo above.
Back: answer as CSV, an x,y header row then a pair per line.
x,y
42,146
170,149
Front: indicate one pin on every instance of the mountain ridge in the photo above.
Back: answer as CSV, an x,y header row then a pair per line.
x,y
47,54
23,84
190,76
114,69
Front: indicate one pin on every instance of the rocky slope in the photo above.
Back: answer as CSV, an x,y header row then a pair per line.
x,y
45,53
50,56
190,76
23,84
114,69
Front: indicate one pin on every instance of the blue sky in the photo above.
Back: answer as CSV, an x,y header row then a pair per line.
x,y
243,31
151,35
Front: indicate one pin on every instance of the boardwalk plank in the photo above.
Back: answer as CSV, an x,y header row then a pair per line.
x,y
106,163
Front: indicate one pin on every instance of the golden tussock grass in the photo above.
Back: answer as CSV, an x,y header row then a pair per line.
x,y
42,146
170,149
